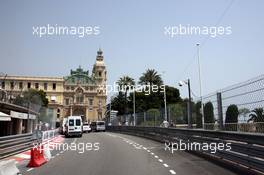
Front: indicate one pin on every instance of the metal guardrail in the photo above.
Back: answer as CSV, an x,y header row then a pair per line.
x,y
15,144
11,145
247,149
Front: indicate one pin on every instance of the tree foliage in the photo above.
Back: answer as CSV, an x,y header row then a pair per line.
x,y
209,113
257,115
232,114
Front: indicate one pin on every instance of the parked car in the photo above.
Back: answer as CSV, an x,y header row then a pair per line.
x,y
100,126
86,128
74,126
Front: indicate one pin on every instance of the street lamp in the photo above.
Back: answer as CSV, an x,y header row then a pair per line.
x,y
187,82
134,106
165,122
200,82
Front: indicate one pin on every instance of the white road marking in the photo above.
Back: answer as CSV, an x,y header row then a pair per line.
x,y
57,154
160,160
152,153
144,148
165,165
148,150
156,157
172,172
30,169
61,152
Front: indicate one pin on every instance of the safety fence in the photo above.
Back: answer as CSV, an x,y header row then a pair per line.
x,y
247,149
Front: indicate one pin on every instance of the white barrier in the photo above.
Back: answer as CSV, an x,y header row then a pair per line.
x,y
47,154
47,135
8,167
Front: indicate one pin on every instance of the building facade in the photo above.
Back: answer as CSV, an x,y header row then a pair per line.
x,y
79,93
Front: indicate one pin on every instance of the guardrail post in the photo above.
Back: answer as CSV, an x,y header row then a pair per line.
x,y
220,110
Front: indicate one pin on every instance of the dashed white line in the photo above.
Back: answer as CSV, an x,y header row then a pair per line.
x,y
148,150
144,148
172,172
165,165
160,160
156,157
57,154
61,152
30,169
152,153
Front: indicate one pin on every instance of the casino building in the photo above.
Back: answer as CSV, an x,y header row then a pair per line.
x,y
79,93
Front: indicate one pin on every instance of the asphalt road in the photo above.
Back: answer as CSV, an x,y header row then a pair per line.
x,y
120,154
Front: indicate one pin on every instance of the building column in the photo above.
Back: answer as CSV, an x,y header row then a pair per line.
x,y
86,114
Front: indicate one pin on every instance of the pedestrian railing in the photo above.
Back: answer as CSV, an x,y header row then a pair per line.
x,y
246,154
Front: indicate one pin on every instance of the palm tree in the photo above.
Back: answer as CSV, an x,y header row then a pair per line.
x,y
257,115
125,83
150,77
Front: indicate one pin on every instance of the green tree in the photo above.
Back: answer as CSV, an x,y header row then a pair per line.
x,y
256,115
209,113
34,99
199,122
125,84
176,113
150,77
232,114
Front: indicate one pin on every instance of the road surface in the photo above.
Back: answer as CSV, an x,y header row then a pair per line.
x,y
121,154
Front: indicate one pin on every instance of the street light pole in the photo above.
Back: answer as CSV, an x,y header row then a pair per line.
x,y
165,103
200,82
190,105
134,106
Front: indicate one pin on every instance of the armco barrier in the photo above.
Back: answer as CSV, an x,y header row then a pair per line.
x,y
247,149
14,144
11,145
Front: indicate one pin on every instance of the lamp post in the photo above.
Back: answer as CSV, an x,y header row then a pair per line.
x,y
134,106
200,83
165,122
187,82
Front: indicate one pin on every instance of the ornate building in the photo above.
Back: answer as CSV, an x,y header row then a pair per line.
x,y
77,94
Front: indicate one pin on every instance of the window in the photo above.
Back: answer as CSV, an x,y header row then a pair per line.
x,y
29,85
45,86
3,85
71,122
53,98
78,122
36,85
20,85
58,113
91,102
67,101
54,86
12,85
79,98
100,74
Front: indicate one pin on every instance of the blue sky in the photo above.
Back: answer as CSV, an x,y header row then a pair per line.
x,y
132,38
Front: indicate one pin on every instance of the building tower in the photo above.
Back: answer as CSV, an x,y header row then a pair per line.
x,y
99,75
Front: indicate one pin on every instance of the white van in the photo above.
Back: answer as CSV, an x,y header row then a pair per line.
x,y
100,126
74,126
